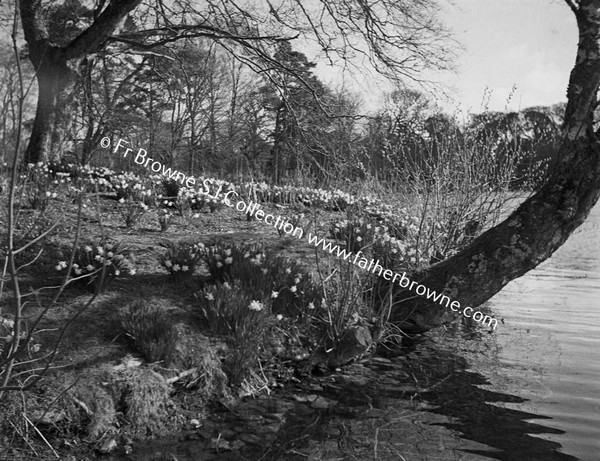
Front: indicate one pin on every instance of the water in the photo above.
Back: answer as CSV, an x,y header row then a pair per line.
x,y
549,345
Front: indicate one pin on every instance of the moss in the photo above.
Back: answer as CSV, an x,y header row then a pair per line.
x,y
145,401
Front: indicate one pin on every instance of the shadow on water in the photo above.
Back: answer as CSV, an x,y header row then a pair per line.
x,y
425,403
476,418
444,386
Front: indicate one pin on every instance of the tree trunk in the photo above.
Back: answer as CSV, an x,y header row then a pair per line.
x,y
50,62
52,78
539,225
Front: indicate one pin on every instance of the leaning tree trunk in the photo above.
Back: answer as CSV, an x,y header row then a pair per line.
x,y
539,225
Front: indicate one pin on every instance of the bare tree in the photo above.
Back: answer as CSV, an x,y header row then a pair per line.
x,y
400,37
542,223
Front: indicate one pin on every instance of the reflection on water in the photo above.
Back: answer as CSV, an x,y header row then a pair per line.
x,y
546,353
477,409
552,334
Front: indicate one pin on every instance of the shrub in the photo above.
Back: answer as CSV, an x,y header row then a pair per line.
x,y
346,303
40,187
224,307
98,264
229,310
181,259
171,187
219,258
152,333
215,204
131,211
357,233
297,219
263,275
165,218
129,186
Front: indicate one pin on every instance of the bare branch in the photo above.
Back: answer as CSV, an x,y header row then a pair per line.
x,y
573,4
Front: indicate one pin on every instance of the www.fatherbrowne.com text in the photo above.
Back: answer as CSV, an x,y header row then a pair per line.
x,y
280,223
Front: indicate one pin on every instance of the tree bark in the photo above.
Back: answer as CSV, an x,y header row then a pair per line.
x,y
52,78
52,63
541,224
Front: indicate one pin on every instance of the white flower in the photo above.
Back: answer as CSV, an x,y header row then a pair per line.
x,y
185,268
48,194
117,272
107,262
100,250
226,285
168,263
121,200
288,271
279,317
359,239
210,296
247,255
228,252
90,268
274,294
293,289
109,254
229,260
61,265
176,267
256,306
296,280
78,271
264,271
219,265
311,305
131,271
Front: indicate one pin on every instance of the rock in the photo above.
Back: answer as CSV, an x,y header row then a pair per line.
x,y
379,360
305,398
228,433
274,416
321,403
251,438
195,423
108,446
248,418
221,444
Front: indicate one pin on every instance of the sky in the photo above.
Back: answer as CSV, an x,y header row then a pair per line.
x,y
529,44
